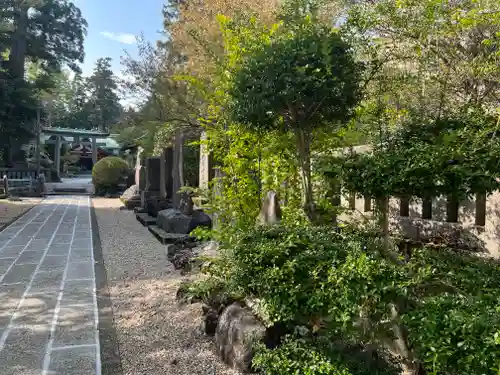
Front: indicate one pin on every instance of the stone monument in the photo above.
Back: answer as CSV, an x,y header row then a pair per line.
x,y
166,163
270,213
138,165
207,171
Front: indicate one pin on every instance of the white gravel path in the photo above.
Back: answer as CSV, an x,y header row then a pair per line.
x,y
155,335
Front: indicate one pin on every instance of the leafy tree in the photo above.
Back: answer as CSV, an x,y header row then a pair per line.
x,y
429,59
195,33
48,34
304,78
85,102
49,31
152,80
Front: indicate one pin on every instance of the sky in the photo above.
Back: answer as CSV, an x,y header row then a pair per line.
x,y
113,26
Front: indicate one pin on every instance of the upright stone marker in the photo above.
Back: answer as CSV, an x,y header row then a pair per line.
x,y
166,163
177,170
152,180
153,175
141,176
207,171
270,212
138,166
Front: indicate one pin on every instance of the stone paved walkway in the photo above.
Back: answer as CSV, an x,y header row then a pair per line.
x,y
48,306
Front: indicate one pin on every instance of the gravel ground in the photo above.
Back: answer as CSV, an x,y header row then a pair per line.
x,y
155,335
9,210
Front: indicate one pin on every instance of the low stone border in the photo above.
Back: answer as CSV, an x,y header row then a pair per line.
x,y
110,351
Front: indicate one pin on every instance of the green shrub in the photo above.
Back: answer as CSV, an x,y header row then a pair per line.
x,y
316,356
212,292
108,173
346,285
304,273
455,322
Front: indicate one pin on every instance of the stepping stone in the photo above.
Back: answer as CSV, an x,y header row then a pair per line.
x,y
145,219
170,238
140,210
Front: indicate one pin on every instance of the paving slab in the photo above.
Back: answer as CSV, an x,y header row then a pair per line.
x,y
23,351
80,255
54,262
20,273
77,361
4,265
80,270
48,316
29,256
58,249
48,282
76,326
36,309
10,295
36,245
78,292
11,251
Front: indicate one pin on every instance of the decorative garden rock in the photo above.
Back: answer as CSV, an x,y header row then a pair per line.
x,y
210,320
174,221
200,219
236,335
131,197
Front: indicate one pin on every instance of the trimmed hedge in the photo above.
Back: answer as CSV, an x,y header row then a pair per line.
x,y
109,173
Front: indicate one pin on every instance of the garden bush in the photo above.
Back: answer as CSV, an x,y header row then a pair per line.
x,y
317,356
108,173
445,306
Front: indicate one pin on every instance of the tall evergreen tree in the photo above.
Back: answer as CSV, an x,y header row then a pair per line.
x,y
105,107
49,33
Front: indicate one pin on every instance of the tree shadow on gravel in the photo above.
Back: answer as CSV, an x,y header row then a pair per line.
x,y
143,329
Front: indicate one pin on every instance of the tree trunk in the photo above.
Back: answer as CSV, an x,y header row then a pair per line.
x,y
180,144
410,364
383,207
335,199
303,140
17,55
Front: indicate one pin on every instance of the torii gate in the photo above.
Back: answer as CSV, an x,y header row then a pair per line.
x,y
76,134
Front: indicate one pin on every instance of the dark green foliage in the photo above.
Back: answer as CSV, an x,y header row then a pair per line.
x,y
54,32
311,272
109,173
17,108
212,292
454,325
444,157
305,76
104,107
317,356
342,285
191,164
48,34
